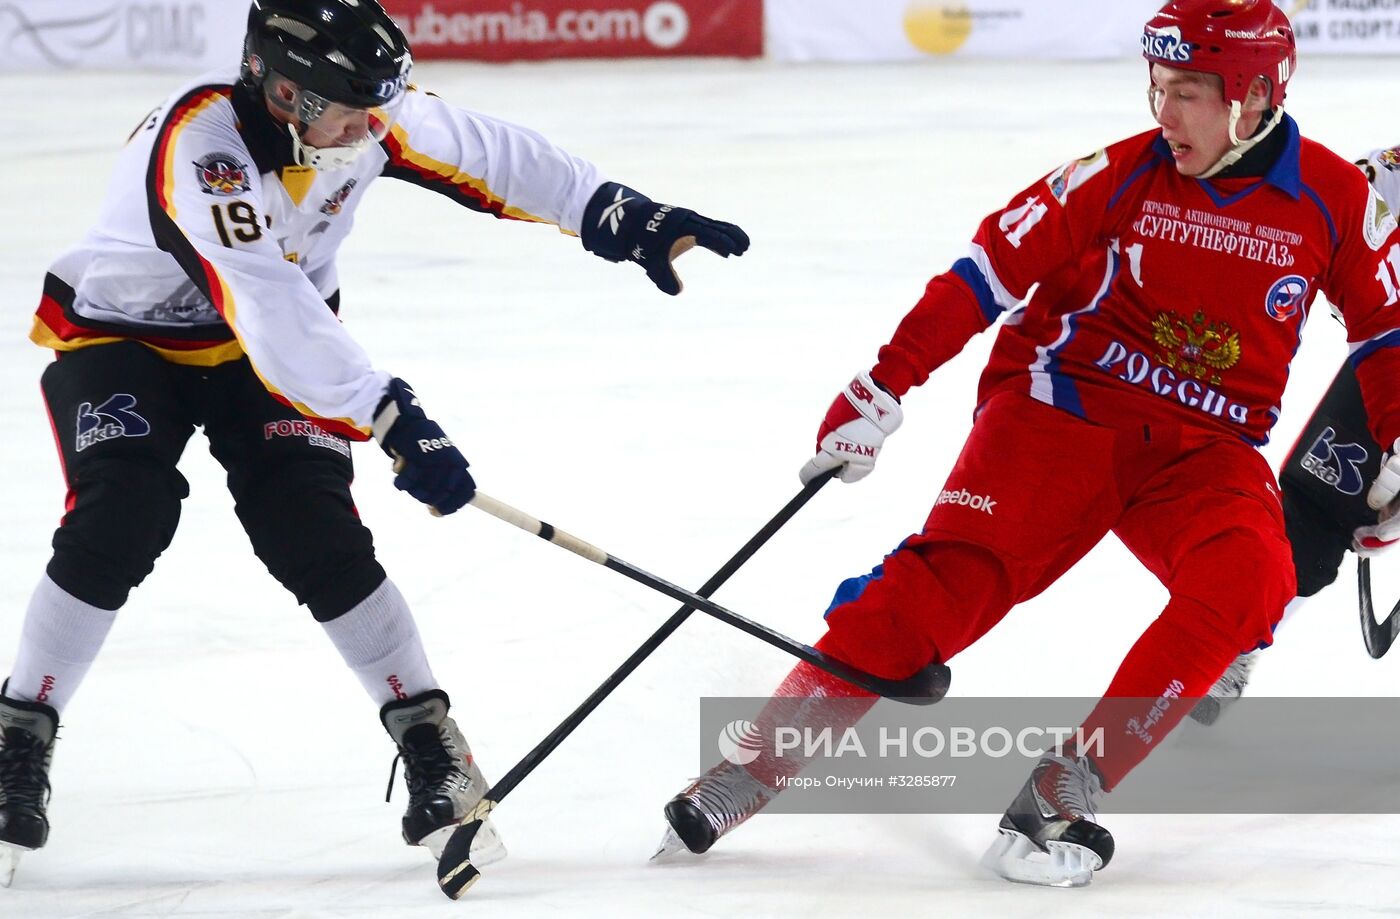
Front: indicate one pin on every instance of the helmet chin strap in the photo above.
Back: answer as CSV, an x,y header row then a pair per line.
x,y
1241,147
330,159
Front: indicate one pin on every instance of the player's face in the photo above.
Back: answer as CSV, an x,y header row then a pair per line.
x,y
338,126
1194,116
324,124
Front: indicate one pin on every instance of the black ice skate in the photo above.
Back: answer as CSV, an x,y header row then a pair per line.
x,y
1224,691
714,804
444,781
27,733
1048,835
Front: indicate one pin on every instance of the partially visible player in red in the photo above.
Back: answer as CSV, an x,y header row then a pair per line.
x,y
1168,276
1326,504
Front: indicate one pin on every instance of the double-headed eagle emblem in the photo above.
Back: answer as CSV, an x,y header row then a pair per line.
x,y
1197,347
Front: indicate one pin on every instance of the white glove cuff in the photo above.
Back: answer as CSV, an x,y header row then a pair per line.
x,y
874,404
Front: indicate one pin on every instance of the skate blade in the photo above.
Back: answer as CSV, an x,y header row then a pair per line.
x,y
487,848
1014,857
9,861
671,845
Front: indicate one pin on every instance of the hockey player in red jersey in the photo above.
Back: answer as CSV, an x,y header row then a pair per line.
x,y
206,296
1326,505
1168,277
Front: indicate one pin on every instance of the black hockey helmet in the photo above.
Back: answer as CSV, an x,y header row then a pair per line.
x,y
346,51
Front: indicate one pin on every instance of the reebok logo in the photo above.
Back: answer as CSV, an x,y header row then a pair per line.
x,y
963,498
654,223
428,445
613,214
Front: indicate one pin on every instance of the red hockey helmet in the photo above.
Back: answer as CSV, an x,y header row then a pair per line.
x,y
1237,40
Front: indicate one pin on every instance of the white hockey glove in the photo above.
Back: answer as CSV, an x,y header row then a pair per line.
x,y
853,431
1373,540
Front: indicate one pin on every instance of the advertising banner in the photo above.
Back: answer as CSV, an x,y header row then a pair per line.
x,y
515,30
893,30
189,35
196,35
1345,26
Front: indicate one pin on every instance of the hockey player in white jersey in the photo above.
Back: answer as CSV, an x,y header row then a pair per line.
x,y
206,295
1327,510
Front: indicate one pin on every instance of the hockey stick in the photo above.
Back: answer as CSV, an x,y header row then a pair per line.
x,y
455,871
1378,636
923,688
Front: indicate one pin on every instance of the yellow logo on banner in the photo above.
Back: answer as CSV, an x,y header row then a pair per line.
x,y
937,28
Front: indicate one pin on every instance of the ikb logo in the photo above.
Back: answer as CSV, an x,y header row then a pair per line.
x,y
115,417
1338,465
740,743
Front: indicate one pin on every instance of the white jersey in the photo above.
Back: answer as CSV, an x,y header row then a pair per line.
x,y
211,245
1382,168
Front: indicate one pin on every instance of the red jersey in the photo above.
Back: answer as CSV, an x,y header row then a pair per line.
x,y
1192,291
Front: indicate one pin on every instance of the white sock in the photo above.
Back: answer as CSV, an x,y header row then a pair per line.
x,y
380,642
59,641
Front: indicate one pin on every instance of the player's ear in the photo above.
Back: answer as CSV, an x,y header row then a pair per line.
x,y
1260,91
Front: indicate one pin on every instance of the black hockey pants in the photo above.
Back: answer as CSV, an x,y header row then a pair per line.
x,y
121,415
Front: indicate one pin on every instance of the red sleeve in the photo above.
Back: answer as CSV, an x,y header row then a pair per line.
x,y
935,330
1041,230
1363,282
1379,376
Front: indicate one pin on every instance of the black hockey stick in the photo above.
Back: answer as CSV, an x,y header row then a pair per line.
x,y
923,688
1378,635
455,871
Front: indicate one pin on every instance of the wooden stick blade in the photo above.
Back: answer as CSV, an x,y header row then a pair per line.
x,y
456,873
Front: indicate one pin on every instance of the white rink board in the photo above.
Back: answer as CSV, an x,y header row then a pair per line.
x,y
220,761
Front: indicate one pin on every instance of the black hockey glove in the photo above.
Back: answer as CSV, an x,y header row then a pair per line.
x,y
620,224
427,464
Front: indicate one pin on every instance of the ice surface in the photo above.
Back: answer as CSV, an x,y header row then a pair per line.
x,y
220,761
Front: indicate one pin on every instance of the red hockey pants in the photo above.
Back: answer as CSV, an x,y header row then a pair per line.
x,y
1034,489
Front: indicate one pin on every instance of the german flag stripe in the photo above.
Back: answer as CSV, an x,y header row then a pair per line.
x,y
176,352
56,309
172,239
410,165
56,327
161,185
